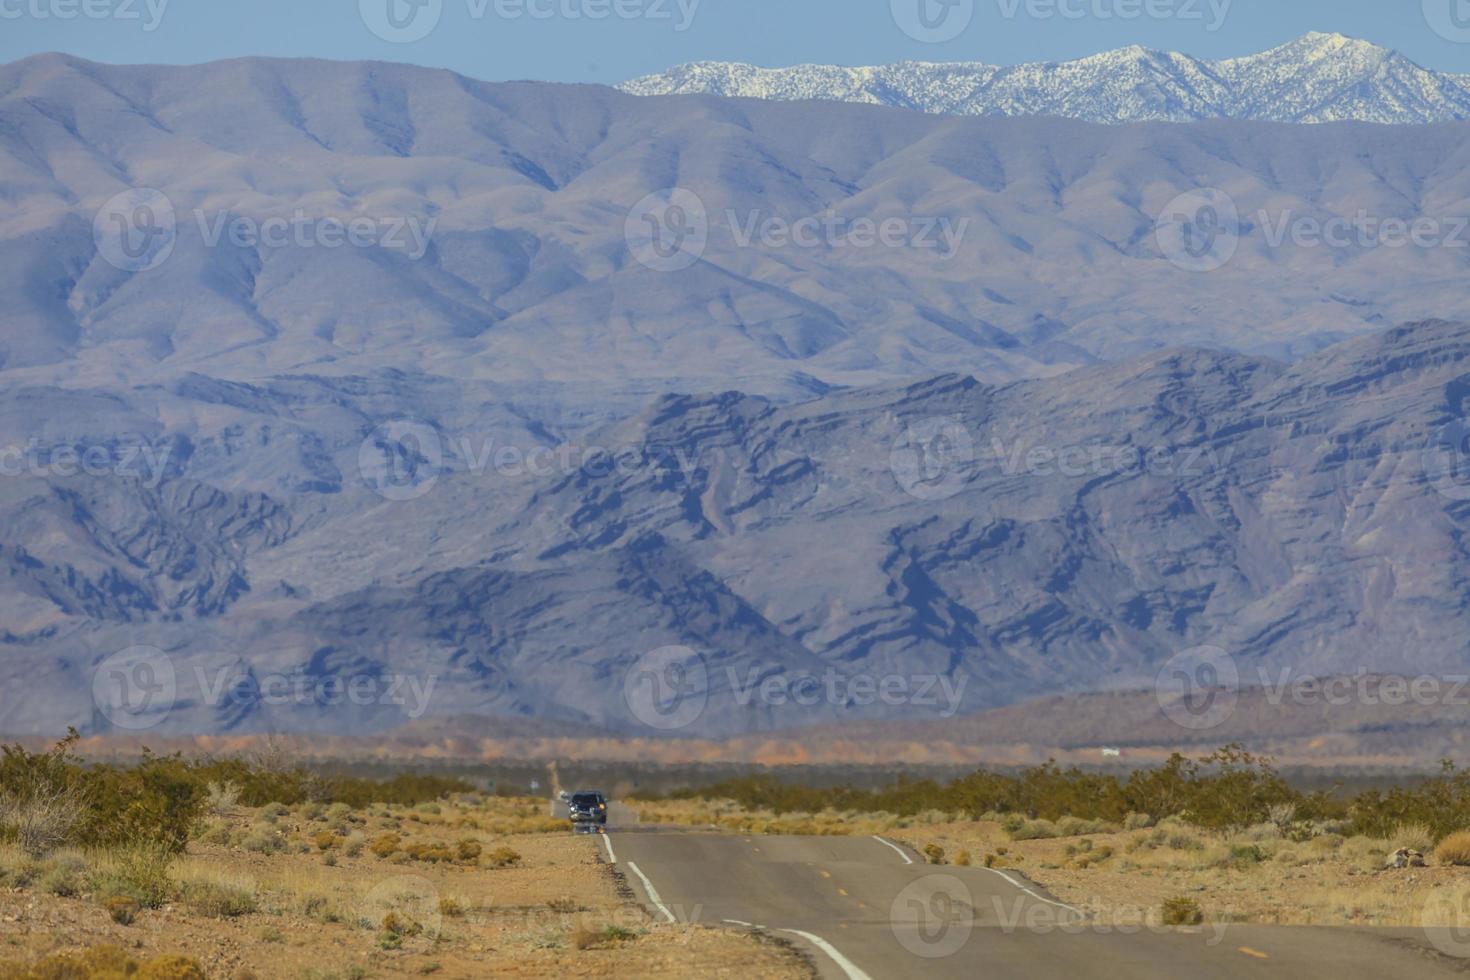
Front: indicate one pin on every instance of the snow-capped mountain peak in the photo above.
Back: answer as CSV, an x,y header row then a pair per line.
x,y
1316,78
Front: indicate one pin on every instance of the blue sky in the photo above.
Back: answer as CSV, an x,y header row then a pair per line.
x,y
500,39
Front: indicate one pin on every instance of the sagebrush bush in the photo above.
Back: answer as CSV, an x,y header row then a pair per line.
x,y
1413,835
1454,849
105,963
140,873
1181,911
218,898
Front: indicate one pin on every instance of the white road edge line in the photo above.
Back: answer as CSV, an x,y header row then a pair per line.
x,y
739,922
611,857
1039,898
847,966
652,892
901,852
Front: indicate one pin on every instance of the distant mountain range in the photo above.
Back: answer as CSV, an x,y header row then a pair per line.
x,y
1315,79
1077,533
758,391
528,279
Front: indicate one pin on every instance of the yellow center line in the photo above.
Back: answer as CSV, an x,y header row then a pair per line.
x,y
842,892
1254,952
825,874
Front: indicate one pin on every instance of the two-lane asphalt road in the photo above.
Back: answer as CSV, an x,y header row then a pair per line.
x,y
868,909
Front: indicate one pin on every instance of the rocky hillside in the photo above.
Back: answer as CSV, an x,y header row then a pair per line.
x,y
1005,542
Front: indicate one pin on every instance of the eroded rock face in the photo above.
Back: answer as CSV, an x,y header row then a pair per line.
x,y
999,541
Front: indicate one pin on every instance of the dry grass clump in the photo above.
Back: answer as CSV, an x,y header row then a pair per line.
x,y
216,896
1413,835
588,937
104,963
1454,849
1181,911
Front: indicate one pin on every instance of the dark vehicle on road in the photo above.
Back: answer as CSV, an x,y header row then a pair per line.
x,y
587,808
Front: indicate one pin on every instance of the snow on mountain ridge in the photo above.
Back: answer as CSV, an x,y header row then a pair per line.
x,y
1316,78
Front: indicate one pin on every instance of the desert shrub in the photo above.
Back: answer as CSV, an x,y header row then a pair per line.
x,y
586,937
1454,849
400,925
962,859
433,853
933,854
386,845
221,799
1136,821
1034,830
140,873
122,909
217,899
502,857
1181,911
326,840
468,850
1414,836
450,907
264,839
64,876
105,963
41,797
354,845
